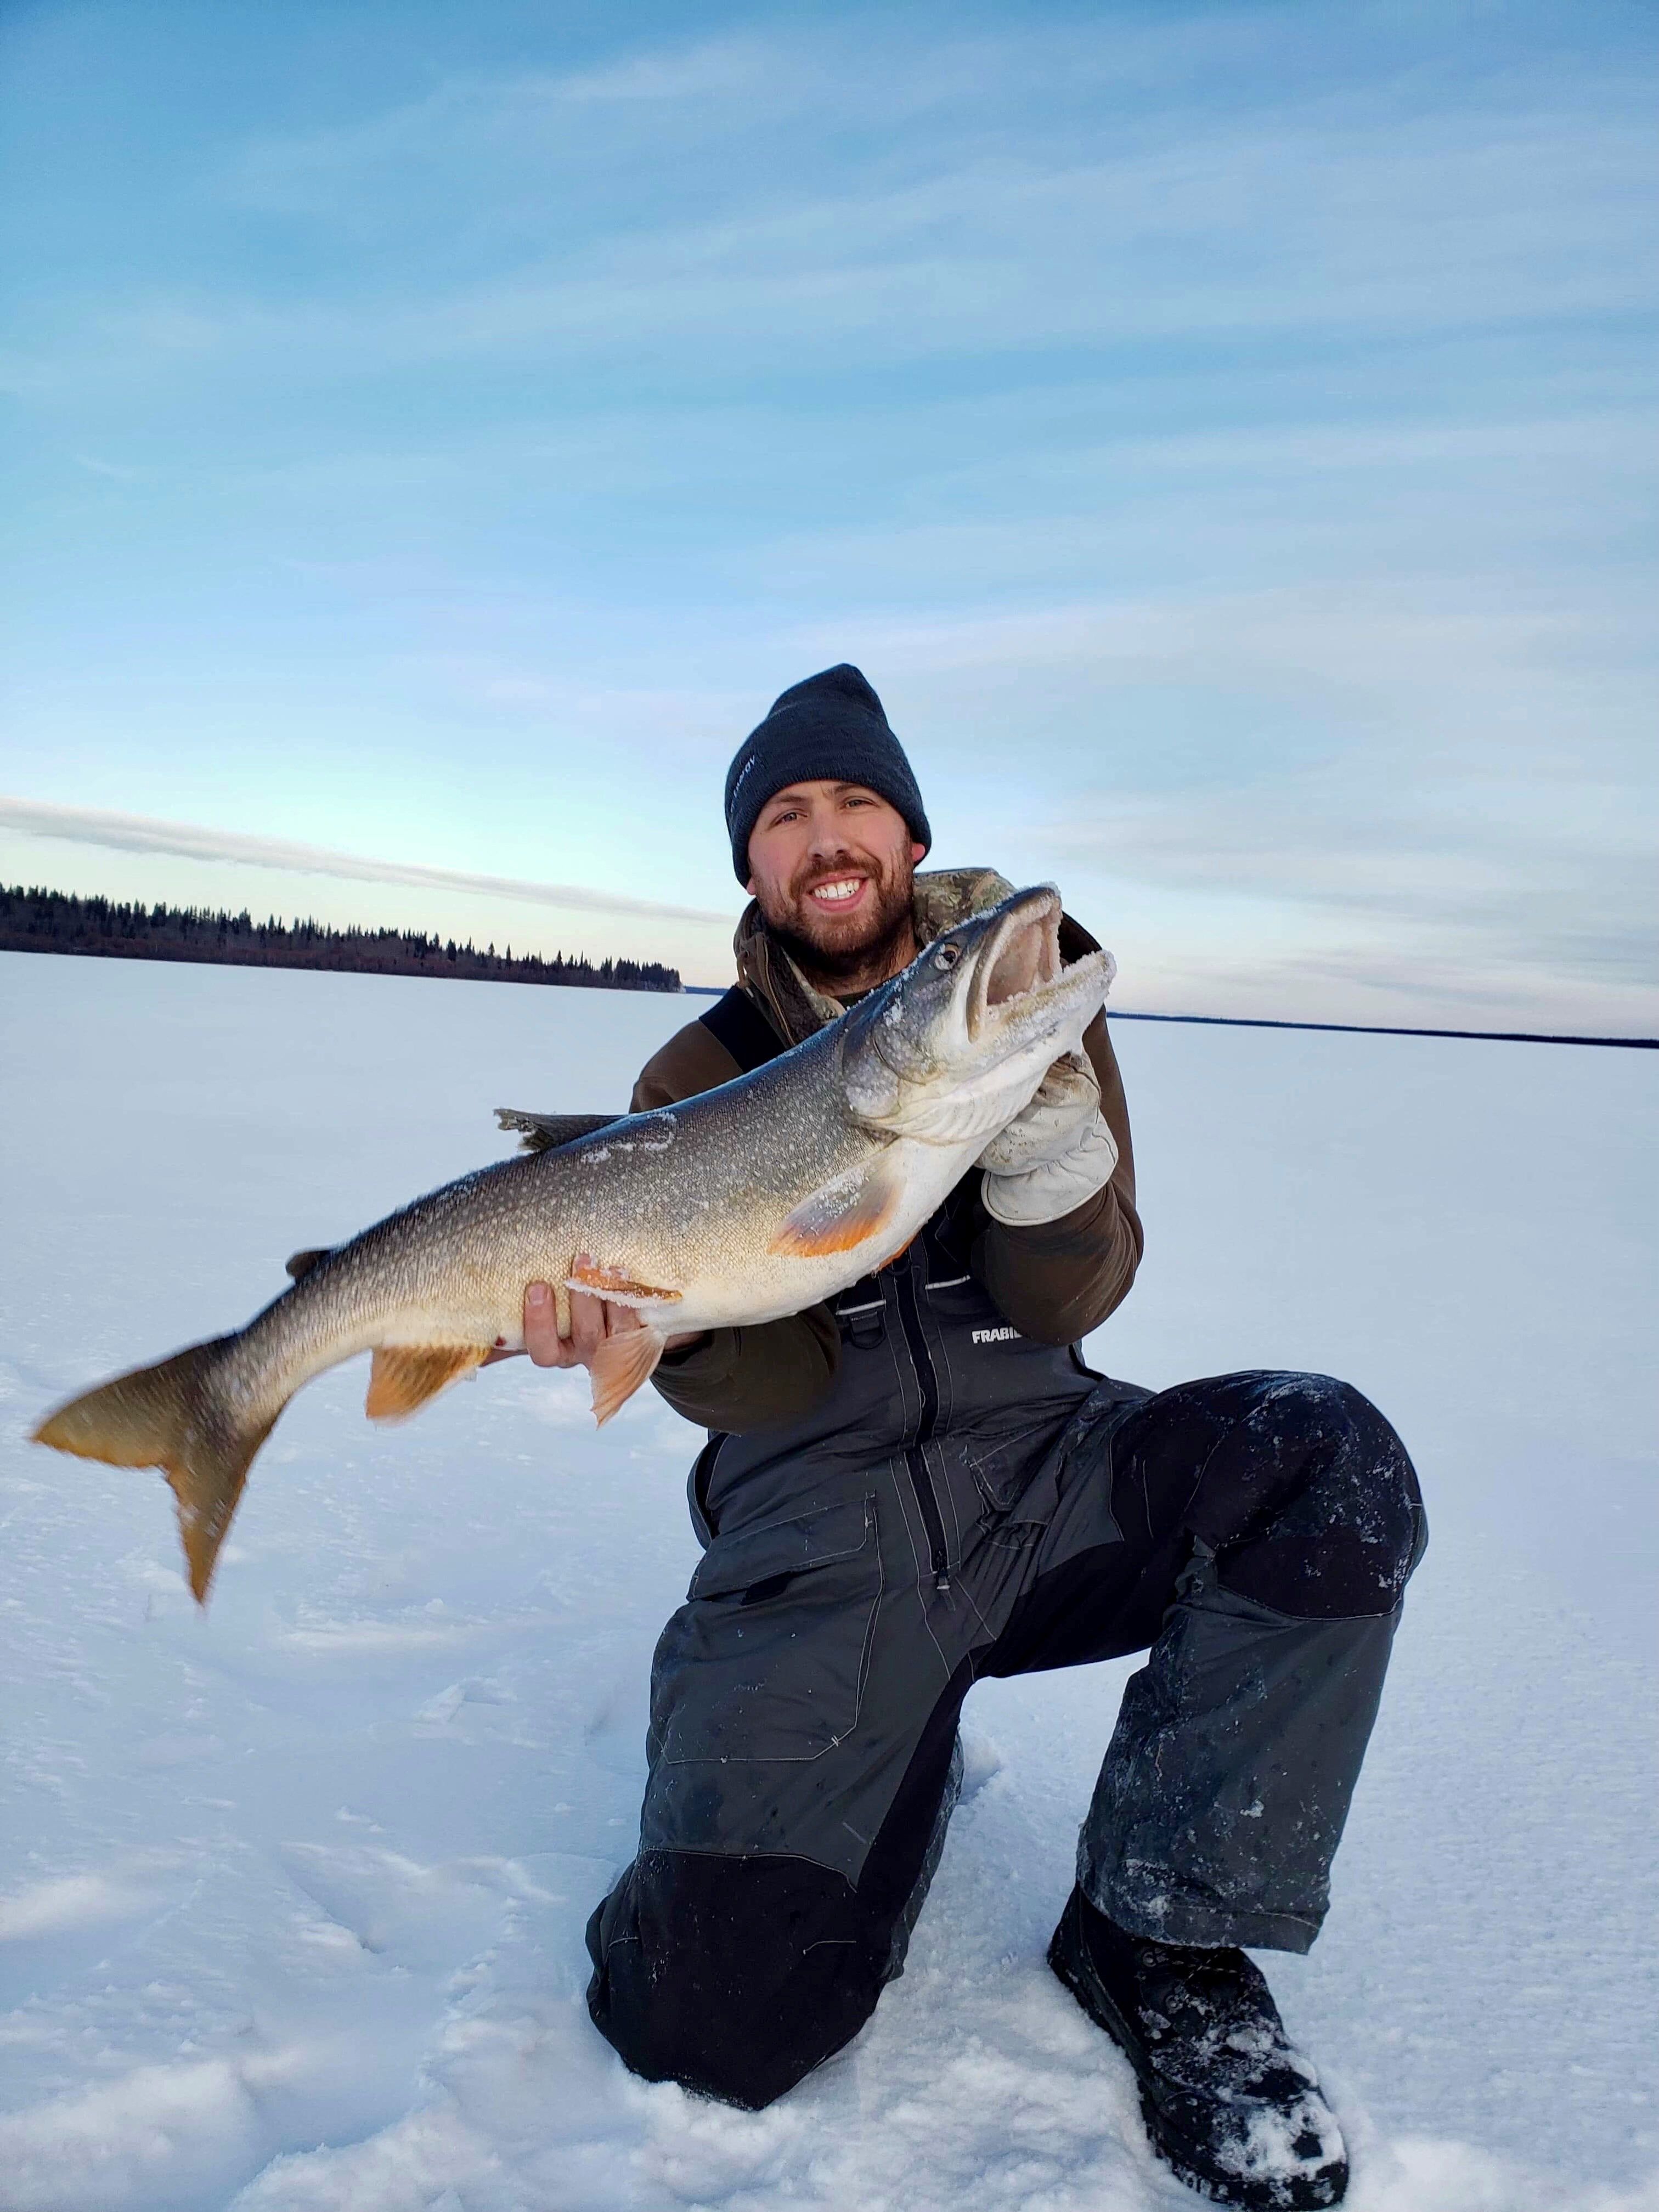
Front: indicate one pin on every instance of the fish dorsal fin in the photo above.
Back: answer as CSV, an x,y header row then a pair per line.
x,y
546,1132
844,1213
299,1264
405,1376
620,1365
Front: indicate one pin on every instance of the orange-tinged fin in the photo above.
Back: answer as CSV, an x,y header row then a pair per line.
x,y
844,1213
621,1365
301,1263
402,1376
171,1416
616,1283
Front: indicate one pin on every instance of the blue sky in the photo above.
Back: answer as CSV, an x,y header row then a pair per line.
x,y
1225,435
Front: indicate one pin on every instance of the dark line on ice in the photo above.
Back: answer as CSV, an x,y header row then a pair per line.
x,y
1379,1029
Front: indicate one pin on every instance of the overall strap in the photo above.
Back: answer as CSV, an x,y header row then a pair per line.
x,y
741,1027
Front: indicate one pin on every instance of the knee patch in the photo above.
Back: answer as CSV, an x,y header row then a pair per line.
x,y
1345,1526
733,1977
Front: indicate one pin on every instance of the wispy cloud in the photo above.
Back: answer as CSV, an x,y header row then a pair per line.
x,y
183,841
116,470
526,116
1340,215
1550,883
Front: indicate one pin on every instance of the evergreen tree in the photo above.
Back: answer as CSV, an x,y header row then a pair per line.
x,y
37,920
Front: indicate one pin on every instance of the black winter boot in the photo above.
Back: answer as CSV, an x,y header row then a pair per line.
x,y
1232,2106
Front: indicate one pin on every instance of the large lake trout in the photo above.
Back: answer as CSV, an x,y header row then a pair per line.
x,y
750,1202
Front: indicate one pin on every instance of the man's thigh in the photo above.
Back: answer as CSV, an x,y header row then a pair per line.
x,y
791,1691
1295,1482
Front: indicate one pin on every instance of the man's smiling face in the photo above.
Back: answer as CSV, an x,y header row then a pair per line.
x,y
831,866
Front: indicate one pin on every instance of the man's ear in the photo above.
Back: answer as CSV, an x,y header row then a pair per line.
x,y
749,887
917,852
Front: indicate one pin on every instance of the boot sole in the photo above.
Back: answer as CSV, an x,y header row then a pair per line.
x,y
1177,2151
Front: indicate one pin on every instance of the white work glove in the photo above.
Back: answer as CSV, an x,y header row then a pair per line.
x,y
1055,1154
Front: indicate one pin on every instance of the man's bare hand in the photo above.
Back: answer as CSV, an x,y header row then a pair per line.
x,y
591,1320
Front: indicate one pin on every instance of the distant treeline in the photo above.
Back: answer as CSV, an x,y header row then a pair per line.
x,y
38,920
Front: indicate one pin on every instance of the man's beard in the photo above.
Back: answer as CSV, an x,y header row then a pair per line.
x,y
818,944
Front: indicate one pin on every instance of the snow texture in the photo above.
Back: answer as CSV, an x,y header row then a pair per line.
x,y
291,1896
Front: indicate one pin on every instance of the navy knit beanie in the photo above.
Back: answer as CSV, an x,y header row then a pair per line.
x,y
833,727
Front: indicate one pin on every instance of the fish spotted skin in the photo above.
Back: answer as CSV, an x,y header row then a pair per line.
x,y
757,1200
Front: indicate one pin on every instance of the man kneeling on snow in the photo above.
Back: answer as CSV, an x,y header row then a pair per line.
x,y
924,1484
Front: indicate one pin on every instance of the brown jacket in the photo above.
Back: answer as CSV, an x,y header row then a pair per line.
x,y
1053,1283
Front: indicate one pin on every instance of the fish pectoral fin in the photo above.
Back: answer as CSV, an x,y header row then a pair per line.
x,y
843,1213
619,1285
301,1263
402,1376
620,1365
546,1132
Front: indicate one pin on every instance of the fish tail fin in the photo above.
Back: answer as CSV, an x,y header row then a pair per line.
x,y
172,1416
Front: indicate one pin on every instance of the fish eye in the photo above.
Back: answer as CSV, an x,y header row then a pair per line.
x,y
947,955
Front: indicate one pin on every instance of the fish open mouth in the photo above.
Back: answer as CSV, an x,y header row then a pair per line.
x,y
1019,960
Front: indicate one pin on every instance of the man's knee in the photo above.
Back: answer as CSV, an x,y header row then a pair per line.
x,y
734,1977
1341,1526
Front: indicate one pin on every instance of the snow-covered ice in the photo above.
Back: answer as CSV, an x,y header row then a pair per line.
x,y
291,1896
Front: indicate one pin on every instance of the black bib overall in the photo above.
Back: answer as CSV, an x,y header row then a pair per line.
x,y
963,1501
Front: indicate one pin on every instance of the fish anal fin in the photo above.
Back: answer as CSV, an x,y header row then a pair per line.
x,y
841,1215
620,1365
299,1264
402,1376
617,1284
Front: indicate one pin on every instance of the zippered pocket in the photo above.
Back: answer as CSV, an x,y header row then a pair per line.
x,y
768,1657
